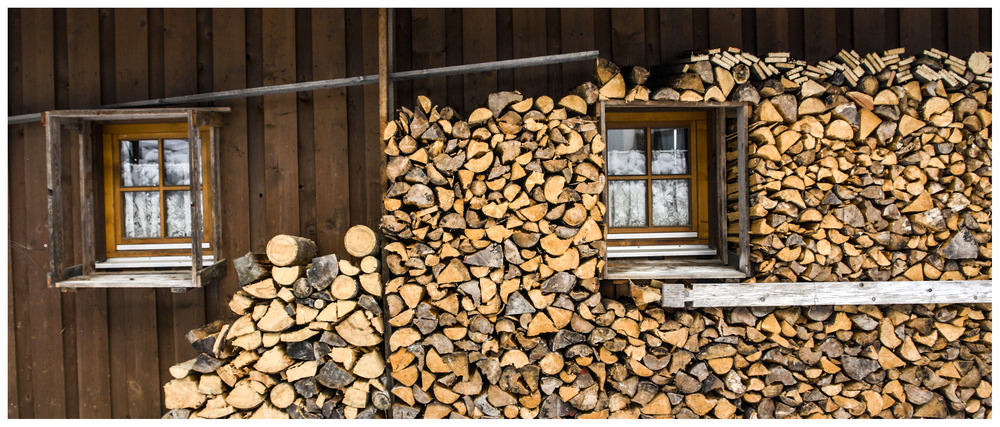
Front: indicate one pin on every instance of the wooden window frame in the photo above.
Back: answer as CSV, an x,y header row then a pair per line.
x,y
112,135
177,273
697,124
731,261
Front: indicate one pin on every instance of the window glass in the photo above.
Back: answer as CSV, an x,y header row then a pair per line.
x,y
141,214
671,202
670,151
140,163
628,203
178,213
176,162
626,151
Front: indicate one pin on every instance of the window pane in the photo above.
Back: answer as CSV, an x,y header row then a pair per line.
x,y
178,213
670,151
140,163
176,162
628,203
626,151
671,202
141,214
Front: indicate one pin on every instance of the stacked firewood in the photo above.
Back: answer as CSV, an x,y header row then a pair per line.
x,y
307,344
903,361
495,229
874,167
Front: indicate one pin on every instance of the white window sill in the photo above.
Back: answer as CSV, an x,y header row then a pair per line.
x,y
621,269
126,263
660,250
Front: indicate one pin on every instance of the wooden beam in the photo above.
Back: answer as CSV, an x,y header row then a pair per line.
x,y
53,147
742,182
826,293
385,66
87,225
195,181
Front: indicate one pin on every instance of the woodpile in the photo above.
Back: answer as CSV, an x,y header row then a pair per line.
x,y
495,233
874,167
307,344
903,361
861,168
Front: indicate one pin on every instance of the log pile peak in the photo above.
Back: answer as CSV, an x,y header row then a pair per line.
x,y
307,343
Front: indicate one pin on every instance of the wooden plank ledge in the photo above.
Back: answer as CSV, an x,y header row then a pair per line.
x,y
131,279
826,293
621,269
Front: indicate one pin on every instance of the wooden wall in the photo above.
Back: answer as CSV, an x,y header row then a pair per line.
x,y
306,163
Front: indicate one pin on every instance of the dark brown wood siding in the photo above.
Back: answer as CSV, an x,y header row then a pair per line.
x,y
306,163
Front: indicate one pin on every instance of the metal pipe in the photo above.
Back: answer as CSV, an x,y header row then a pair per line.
x,y
342,82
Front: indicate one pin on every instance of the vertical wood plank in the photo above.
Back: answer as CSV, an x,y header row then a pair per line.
x,y
676,32
772,33
939,29
372,131
699,26
479,28
796,32
627,36
330,112
280,133
45,315
749,30
356,116
578,35
19,404
891,29
453,56
179,312
528,41
726,27
602,30
230,72
156,52
429,52
203,20
844,29
817,41
403,52
985,30
553,45
652,32
505,48
255,131
869,30
913,34
106,31
136,324
304,107
71,227
963,31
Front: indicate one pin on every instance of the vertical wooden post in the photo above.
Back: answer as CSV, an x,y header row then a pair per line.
x,y
385,110
385,65
194,153
53,148
87,229
744,197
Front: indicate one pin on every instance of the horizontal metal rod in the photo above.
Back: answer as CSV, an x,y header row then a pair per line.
x,y
495,65
343,82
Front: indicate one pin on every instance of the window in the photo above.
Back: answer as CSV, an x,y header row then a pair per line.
x,y
657,182
147,197
134,198
673,211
